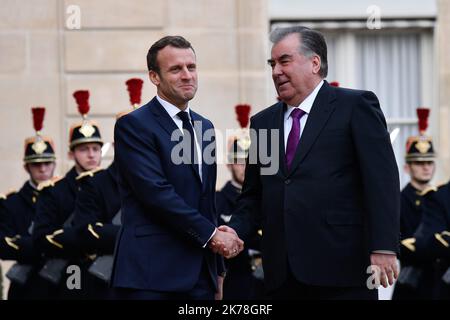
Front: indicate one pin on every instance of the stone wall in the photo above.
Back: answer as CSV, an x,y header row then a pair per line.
x,y
43,61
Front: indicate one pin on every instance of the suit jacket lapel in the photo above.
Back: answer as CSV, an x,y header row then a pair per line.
x,y
167,123
279,124
321,110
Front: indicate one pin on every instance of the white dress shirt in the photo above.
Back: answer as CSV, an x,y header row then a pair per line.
x,y
173,113
306,107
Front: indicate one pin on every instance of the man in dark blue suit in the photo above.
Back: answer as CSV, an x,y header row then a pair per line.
x,y
168,202
330,208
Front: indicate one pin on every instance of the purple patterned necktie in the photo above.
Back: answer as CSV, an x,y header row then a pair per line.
x,y
294,136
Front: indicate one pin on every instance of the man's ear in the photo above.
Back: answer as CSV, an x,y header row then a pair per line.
x,y
25,166
154,77
70,155
316,64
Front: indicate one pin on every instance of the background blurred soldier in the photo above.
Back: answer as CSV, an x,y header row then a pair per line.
x,y
416,276
433,237
98,212
17,214
239,282
52,232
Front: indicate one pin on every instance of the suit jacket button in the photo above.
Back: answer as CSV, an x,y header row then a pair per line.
x,y
287,181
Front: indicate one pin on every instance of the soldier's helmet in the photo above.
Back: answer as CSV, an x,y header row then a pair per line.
x,y
87,130
420,148
39,148
239,144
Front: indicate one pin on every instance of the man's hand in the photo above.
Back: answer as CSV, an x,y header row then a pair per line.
x,y
219,293
226,242
387,265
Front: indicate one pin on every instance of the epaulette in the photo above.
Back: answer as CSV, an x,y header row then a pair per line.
x,y
4,196
428,190
409,243
433,188
89,173
48,183
441,239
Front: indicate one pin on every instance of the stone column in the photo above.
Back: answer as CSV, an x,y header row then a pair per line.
x,y
443,73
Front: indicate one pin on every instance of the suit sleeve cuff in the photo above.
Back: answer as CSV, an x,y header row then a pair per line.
x,y
206,243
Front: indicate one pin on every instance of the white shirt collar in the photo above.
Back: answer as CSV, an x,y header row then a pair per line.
x,y
236,184
32,184
171,109
306,105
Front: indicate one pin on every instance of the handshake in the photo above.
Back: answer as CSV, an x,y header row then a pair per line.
x,y
226,242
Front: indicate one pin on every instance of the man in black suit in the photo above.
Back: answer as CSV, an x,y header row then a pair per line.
x,y
167,188
331,208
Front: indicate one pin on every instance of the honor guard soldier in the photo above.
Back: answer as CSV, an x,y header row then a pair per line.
x,y
98,206
432,239
53,231
416,275
244,272
18,213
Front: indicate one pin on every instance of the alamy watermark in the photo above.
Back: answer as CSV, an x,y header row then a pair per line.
x,y
374,17
73,19
264,150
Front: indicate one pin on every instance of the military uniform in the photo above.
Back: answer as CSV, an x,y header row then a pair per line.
x,y
98,211
97,216
417,275
16,223
420,270
54,232
17,244
432,238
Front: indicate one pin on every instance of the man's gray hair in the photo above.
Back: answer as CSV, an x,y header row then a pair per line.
x,y
311,42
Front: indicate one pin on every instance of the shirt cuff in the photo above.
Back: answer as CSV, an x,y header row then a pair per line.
x,y
214,232
384,252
